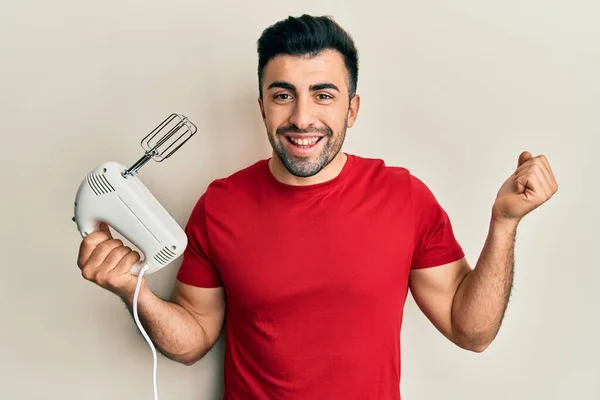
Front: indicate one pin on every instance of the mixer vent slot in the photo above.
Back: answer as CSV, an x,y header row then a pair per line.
x,y
164,256
99,184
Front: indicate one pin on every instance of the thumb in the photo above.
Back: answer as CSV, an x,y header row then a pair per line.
x,y
103,227
524,157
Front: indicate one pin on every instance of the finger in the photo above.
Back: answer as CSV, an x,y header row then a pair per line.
x,y
550,173
102,233
90,242
526,164
527,185
101,251
539,167
88,272
532,183
114,258
124,266
89,268
106,268
522,183
533,164
103,226
87,247
524,157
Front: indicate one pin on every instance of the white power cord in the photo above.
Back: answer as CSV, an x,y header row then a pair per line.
x,y
141,328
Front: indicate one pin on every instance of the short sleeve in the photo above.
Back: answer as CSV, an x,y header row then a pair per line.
x,y
435,242
197,268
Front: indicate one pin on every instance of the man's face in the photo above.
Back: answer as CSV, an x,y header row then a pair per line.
x,y
306,110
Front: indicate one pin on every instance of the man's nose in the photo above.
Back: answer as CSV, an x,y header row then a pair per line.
x,y
302,114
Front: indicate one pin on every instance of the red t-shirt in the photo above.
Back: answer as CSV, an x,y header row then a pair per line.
x,y
315,277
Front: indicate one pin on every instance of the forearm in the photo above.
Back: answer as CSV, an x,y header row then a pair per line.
x,y
172,329
481,299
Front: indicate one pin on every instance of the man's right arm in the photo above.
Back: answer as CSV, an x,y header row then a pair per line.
x,y
184,328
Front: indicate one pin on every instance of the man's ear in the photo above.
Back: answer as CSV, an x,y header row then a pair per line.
x,y
262,108
353,110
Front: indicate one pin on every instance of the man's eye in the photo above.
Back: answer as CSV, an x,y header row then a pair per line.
x,y
324,96
282,96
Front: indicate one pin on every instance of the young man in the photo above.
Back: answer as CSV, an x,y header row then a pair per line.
x,y
312,252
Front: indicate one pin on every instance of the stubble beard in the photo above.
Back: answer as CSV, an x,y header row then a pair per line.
x,y
304,167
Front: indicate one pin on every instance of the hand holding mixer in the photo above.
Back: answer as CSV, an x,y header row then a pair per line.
x,y
114,194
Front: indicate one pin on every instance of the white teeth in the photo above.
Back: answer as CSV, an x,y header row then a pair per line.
x,y
304,141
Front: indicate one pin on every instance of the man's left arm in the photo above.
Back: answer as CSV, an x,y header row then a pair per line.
x,y
467,305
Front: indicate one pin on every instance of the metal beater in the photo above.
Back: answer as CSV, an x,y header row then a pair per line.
x,y
153,143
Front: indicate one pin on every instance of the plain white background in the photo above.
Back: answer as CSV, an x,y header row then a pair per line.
x,y
454,91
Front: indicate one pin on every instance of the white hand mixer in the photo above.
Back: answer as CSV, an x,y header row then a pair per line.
x,y
115,195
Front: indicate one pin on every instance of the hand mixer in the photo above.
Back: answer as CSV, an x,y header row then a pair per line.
x,y
114,194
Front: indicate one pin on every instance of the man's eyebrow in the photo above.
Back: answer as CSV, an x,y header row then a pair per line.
x,y
283,85
315,87
325,85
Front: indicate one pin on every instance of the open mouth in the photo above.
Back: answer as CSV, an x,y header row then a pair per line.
x,y
305,142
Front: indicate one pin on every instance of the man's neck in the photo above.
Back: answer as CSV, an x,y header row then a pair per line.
x,y
328,173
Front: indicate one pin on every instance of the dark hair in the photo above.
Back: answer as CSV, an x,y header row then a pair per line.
x,y
307,35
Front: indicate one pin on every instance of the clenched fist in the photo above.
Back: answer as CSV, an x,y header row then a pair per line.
x,y
532,184
107,262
